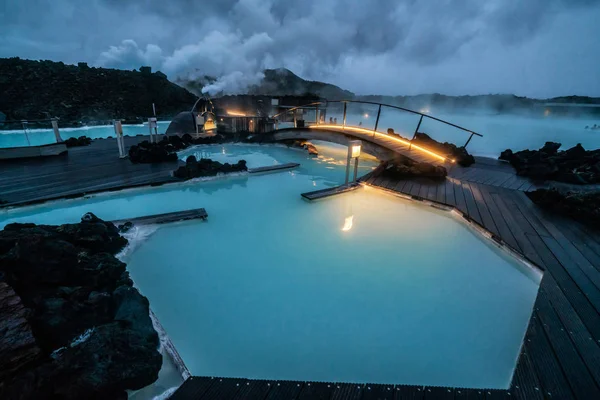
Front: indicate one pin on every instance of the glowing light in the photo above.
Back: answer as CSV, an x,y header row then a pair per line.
x,y
348,223
384,135
236,113
366,115
546,113
424,110
356,151
209,125
221,119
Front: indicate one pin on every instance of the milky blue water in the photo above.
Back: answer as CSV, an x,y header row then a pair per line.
x,y
16,138
500,131
362,287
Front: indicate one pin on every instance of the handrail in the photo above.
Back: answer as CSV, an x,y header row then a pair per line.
x,y
385,105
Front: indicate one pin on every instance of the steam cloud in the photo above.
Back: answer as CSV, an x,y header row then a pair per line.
x,y
538,47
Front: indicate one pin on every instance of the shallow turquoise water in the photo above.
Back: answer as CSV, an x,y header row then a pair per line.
x,y
362,287
38,137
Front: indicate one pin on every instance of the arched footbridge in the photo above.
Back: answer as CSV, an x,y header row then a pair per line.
x,y
380,144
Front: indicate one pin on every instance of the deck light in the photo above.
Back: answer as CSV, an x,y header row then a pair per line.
x,y
236,113
356,150
354,147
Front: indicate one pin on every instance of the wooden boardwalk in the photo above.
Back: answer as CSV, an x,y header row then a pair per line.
x,y
379,145
560,356
84,170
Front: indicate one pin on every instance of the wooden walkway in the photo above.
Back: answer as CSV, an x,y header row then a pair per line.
x,y
560,356
84,170
379,145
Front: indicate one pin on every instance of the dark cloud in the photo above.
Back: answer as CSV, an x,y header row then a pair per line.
x,y
376,46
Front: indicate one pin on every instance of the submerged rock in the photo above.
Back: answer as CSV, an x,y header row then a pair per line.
x,y
575,165
76,326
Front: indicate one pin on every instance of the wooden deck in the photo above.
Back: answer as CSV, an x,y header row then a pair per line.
x,y
83,170
560,356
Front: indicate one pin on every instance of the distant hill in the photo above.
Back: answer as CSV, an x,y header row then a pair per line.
x,y
78,93
281,81
277,82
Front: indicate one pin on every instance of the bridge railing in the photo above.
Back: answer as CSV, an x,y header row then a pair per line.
x,y
422,116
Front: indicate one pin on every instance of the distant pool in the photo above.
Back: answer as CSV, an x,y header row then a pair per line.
x,y
16,138
362,287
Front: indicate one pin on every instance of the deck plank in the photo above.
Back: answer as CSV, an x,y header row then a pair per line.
x,y
574,368
547,367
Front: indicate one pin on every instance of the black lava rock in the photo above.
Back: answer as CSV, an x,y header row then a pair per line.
x,y
80,141
207,167
582,207
71,321
404,167
450,150
575,165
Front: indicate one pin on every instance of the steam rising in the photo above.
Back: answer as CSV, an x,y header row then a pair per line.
x,y
539,48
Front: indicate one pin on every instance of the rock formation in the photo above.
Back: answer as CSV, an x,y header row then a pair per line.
x,y
80,141
207,167
582,207
460,154
575,165
403,167
72,326
79,94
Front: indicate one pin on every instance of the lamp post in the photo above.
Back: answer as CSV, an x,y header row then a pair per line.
x,y
354,149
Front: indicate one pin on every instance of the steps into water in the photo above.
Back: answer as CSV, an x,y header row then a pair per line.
x,y
320,194
196,213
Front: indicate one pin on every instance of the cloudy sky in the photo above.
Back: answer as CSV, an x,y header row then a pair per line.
x,y
537,48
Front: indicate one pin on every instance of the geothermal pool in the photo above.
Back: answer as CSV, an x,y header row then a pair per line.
x,y
361,287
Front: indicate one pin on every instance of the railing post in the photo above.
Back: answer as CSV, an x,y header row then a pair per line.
x,y
317,120
344,123
416,130
377,120
24,122
468,140
56,131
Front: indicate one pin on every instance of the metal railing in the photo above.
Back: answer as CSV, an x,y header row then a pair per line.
x,y
380,105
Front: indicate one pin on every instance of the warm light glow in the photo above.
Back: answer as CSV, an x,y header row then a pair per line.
x,y
370,132
209,125
424,110
546,113
366,115
236,113
348,223
355,151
